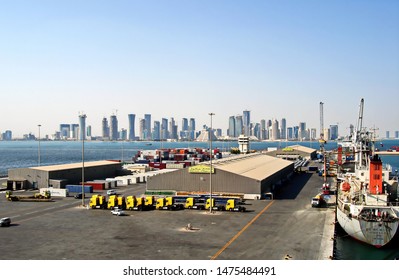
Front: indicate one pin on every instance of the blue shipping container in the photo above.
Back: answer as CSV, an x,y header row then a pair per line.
x,y
78,188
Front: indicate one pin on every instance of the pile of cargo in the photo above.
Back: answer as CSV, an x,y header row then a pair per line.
x,y
132,203
175,158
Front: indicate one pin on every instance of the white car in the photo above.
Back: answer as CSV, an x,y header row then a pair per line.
x,y
118,212
111,192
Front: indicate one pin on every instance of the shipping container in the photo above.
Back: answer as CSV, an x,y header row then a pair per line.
x,y
55,192
78,188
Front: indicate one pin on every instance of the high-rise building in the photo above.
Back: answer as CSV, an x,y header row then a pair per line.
x,y
313,134
263,130
239,126
131,132
82,127
156,132
283,129
232,127
65,130
302,131
147,126
333,132
387,134
104,128
123,134
164,129
142,129
290,133
173,129
247,122
113,128
74,131
191,128
88,131
396,134
296,132
7,135
275,130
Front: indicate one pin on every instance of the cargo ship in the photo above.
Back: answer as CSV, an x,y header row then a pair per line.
x,y
367,207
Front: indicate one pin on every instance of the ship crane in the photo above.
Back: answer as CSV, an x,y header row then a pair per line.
x,y
321,140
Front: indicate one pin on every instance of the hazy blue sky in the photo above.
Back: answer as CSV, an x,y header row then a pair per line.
x,y
188,58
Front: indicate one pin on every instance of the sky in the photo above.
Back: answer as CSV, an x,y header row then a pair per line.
x,y
278,59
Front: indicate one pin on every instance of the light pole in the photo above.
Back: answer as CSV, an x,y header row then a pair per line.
x,y
210,170
83,170
38,149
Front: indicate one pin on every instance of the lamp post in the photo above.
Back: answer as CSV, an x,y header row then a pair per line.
x,y
83,170
210,170
38,148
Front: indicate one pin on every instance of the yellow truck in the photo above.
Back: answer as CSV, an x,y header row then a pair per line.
x,y
98,201
112,202
194,203
134,203
224,205
168,203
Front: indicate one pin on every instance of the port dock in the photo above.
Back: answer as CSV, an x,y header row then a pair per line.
x,y
285,228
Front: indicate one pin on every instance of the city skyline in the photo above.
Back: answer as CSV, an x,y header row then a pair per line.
x,y
181,59
264,129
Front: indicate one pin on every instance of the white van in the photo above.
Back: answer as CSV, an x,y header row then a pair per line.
x,y
111,192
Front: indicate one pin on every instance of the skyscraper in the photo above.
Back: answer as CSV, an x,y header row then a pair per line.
x,y
65,130
164,129
131,133
191,128
247,122
156,132
239,126
113,131
82,127
147,126
232,126
105,128
283,129
333,132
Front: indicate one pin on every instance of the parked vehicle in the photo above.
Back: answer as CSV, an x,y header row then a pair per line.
x,y
111,192
98,201
118,212
5,222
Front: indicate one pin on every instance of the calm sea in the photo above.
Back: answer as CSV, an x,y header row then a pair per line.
x,y
17,154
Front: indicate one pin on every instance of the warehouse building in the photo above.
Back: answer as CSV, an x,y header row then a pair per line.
x,y
251,176
294,152
57,176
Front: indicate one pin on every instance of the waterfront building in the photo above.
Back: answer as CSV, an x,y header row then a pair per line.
x,y
104,128
88,131
290,133
296,132
396,134
243,144
173,129
302,131
74,131
387,134
123,134
147,126
164,129
262,130
156,132
232,127
239,126
283,129
191,128
142,130
82,127
313,134
7,135
113,131
247,122
131,132
65,130
333,132
255,131
275,130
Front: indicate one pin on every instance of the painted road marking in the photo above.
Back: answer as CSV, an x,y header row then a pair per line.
x,y
241,231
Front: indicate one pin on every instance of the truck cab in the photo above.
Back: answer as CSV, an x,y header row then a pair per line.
x,y
231,205
318,200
